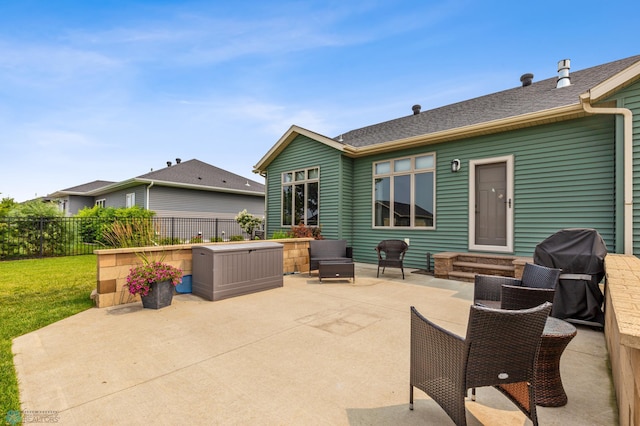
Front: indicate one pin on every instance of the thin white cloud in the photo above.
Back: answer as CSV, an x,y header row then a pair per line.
x,y
202,37
61,140
16,56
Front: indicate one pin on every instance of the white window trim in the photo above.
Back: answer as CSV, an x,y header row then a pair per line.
x,y
509,160
292,183
412,172
101,202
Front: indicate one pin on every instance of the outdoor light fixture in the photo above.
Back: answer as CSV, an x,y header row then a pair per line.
x,y
455,165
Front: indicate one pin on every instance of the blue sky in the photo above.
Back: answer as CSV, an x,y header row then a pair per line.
x,y
112,89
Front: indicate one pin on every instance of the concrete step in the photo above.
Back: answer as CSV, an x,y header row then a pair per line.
x,y
483,266
464,266
462,276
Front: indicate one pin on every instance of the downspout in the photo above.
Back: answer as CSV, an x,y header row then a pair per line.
x,y
627,117
146,201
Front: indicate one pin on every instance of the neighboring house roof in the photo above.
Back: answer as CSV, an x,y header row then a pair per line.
x,y
197,174
81,189
192,174
519,107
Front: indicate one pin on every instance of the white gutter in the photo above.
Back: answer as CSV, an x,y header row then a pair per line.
x,y
627,116
146,201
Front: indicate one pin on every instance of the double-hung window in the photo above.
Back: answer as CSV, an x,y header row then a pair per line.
x,y
404,192
300,202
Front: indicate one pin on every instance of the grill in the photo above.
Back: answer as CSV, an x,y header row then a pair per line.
x,y
580,253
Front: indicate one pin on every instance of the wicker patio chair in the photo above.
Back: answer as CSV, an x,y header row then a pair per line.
x,y
520,297
538,283
499,350
487,289
391,253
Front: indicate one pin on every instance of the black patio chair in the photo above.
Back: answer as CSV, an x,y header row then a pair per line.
x,y
538,285
391,254
499,350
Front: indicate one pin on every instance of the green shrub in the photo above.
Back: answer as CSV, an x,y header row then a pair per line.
x,y
98,226
168,241
34,228
216,239
248,222
6,205
281,234
95,220
236,238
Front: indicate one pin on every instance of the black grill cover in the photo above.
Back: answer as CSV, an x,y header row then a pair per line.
x,y
576,251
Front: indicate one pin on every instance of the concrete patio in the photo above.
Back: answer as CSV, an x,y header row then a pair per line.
x,y
332,353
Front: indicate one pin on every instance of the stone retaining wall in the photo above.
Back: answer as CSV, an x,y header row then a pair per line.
x,y
114,266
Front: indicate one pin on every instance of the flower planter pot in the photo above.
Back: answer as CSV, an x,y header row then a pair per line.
x,y
161,295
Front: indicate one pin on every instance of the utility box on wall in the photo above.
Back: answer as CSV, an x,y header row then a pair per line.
x,y
227,270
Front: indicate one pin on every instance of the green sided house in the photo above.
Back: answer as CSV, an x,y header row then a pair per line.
x,y
495,174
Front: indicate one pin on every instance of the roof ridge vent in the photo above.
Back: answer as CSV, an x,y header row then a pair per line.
x,y
416,109
563,73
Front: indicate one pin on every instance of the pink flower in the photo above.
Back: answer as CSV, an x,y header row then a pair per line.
x,y
141,277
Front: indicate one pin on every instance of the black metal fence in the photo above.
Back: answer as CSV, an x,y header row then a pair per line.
x,y
69,236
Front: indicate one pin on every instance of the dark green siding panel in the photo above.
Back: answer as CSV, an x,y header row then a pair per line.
x,y
301,153
630,98
563,178
568,184
345,221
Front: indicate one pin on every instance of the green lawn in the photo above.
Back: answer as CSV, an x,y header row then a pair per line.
x,y
33,294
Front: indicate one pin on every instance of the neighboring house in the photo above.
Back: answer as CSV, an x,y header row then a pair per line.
x,y
191,189
495,174
72,200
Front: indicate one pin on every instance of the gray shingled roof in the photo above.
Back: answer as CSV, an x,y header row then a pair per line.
x,y
195,172
539,96
86,187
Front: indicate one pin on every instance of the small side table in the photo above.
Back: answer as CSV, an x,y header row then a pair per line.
x,y
336,269
556,336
